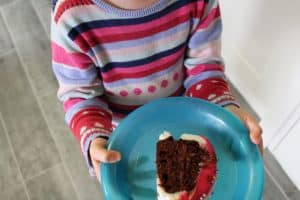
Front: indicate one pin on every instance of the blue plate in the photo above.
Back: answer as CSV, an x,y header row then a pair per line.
x,y
240,168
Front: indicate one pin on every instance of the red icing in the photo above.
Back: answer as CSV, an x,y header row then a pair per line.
x,y
207,174
206,178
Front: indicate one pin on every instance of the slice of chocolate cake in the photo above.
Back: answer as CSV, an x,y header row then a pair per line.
x,y
186,168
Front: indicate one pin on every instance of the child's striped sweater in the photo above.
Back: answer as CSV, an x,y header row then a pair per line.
x,y
109,61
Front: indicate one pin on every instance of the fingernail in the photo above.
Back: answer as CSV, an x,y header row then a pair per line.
x,y
254,139
114,158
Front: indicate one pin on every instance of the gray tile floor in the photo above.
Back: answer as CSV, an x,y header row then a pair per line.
x,y
39,157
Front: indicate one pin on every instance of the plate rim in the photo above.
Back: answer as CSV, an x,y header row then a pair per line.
x,y
259,172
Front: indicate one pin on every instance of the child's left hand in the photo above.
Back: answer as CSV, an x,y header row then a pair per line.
x,y
253,126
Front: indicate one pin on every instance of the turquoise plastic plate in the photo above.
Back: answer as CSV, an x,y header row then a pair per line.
x,y
240,168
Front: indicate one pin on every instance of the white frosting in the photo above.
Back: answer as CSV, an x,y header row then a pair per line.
x,y
161,193
196,138
164,135
184,136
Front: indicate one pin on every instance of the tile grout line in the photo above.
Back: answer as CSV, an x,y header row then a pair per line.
x,y
7,52
277,184
7,4
14,155
40,18
44,171
40,106
5,27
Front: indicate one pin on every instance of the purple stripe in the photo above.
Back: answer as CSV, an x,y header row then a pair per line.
x,y
74,76
192,62
190,81
161,4
142,41
211,33
82,105
88,94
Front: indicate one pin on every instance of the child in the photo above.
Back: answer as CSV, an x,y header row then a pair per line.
x,y
112,56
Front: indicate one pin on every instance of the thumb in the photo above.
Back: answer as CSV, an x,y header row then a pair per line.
x,y
99,153
255,130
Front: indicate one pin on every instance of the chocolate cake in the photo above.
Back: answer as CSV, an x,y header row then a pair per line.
x,y
180,166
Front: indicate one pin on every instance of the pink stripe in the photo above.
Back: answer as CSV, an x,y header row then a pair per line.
x,y
204,67
200,8
77,60
212,49
214,14
142,68
145,48
136,28
70,103
91,38
85,43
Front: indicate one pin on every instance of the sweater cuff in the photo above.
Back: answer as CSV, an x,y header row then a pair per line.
x,y
88,124
214,90
86,150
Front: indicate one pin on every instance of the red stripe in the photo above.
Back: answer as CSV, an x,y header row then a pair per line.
x,y
213,15
83,119
207,174
107,31
154,67
199,9
216,86
204,67
67,4
76,60
71,102
92,40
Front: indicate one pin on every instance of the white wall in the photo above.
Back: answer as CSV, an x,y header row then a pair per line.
x,y
261,48
287,150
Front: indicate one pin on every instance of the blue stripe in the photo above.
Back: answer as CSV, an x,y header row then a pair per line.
x,y
74,32
212,33
228,102
192,80
53,2
144,61
127,81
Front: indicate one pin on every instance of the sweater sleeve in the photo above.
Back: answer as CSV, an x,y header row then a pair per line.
x,y
80,90
204,64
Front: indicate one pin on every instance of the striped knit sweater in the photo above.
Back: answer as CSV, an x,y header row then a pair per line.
x,y
109,61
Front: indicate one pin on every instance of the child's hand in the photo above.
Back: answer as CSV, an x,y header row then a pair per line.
x,y
253,126
99,154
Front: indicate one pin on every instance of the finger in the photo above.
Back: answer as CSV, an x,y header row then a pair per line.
x,y
261,147
105,156
100,153
255,130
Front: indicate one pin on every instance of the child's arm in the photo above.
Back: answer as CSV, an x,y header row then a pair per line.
x,y
205,67
204,64
80,90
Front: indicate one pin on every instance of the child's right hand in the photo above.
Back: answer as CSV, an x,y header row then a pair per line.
x,y
99,154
